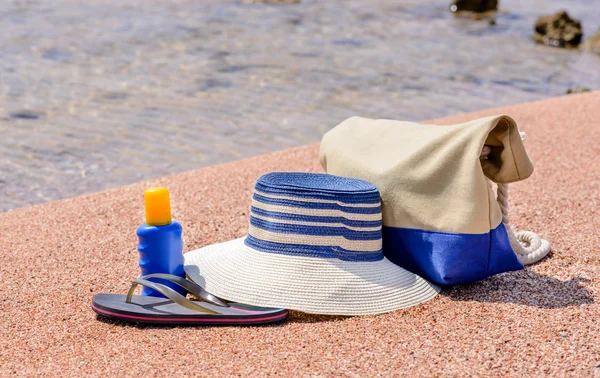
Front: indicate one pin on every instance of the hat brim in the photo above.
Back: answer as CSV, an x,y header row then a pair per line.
x,y
236,272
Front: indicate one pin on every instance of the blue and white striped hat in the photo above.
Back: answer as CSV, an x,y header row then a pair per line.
x,y
314,245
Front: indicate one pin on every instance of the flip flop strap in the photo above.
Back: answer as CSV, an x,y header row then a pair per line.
x,y
169,293
190,286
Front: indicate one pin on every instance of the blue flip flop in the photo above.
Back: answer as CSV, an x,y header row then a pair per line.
x,y
176,309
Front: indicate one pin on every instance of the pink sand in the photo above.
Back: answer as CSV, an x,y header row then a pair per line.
x,y
544,320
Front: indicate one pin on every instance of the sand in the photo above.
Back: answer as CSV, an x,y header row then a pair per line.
x,y
543,320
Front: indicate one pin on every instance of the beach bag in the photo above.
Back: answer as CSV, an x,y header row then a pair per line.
x,y
442,218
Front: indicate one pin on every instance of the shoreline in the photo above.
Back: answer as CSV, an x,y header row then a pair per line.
x,y
101,94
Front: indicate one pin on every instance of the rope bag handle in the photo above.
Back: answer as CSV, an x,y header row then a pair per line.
x,y
528,245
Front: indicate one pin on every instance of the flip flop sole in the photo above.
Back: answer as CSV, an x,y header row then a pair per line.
x,y
155,310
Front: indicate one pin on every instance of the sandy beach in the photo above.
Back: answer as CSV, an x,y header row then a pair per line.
x,y
542,321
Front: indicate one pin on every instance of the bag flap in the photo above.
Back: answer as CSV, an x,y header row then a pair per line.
x,y
430,176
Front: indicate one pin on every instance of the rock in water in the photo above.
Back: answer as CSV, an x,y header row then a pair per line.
x,y
577,90
473,5
593,43
558,30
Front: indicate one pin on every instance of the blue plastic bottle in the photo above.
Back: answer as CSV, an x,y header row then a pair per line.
x,y
160,244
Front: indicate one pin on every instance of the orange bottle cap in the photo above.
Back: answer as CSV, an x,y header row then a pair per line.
x,y
158,206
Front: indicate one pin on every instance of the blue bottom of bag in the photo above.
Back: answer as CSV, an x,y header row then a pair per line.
x,y
450,258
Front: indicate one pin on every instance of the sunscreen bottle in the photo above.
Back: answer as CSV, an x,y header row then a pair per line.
x,y
160,244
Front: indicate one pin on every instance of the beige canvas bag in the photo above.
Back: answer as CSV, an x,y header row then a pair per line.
x,y
442,218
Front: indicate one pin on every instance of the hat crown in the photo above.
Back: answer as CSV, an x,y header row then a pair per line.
x,y
316,215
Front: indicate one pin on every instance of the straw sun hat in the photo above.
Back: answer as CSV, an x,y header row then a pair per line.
x,y
314,245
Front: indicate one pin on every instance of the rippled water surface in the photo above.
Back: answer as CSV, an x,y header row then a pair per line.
x,y
100,93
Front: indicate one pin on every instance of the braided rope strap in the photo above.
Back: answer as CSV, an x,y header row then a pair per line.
x,y
528,245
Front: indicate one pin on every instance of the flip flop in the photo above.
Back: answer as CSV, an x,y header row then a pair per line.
x,y
176,309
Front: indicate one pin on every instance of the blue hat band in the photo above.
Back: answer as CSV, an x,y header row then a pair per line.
x,y
316,215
